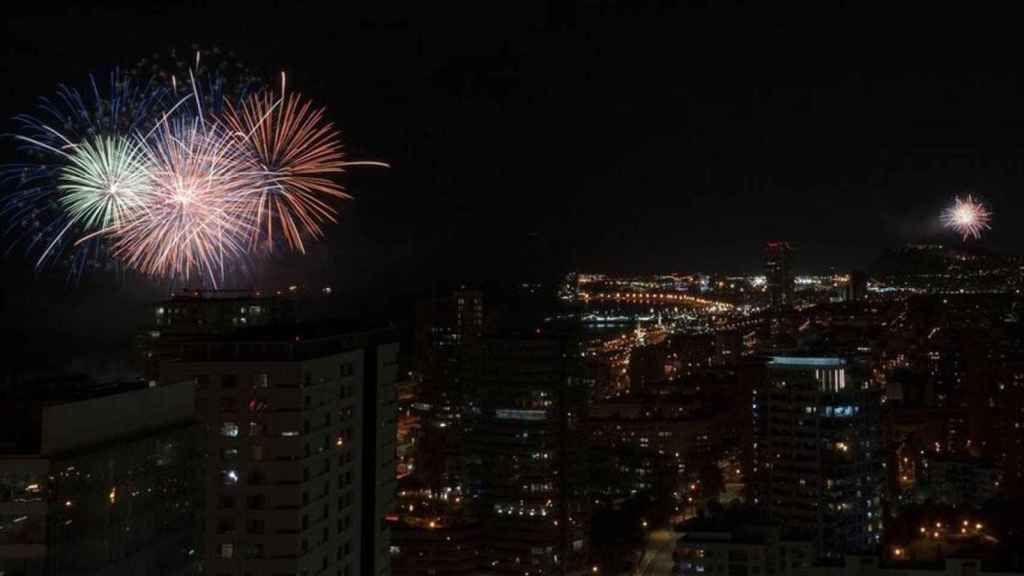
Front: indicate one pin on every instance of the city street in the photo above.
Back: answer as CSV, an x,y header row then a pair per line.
x,y
657,559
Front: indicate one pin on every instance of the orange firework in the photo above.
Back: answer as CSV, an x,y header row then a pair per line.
x,y
294,153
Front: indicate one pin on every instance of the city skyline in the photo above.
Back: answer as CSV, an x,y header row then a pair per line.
x,y
664,156
887,180
529,289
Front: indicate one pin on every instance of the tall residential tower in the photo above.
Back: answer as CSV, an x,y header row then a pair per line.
x,y
778,270
300,437
817,437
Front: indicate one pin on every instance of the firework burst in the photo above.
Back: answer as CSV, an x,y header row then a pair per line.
x,y
103,182
294,153
968,217
191,223
77,152
180,186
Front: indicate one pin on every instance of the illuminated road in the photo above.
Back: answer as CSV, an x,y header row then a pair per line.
x,y
657,559
655,298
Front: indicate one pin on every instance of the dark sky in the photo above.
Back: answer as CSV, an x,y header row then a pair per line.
x,y
530,136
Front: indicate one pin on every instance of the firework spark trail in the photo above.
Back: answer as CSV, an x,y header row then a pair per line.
x,y
104,181
191,224
101,180
293,151
181,188
968,217
78,145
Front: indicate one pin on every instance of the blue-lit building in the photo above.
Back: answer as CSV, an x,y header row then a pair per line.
x,y
817,452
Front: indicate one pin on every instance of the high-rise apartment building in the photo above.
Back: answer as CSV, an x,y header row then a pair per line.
x,y
817,438
856,286
530,436
447,328
778,270
100,481
436,527
300,448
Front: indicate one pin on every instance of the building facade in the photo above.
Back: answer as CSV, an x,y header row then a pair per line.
x,y
300,449
856,286
107,484
818,440
531,439
779,275
740,549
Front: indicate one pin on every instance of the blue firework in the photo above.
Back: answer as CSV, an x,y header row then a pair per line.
x,y
73,117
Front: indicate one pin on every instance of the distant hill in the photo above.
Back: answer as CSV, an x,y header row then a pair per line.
x,y
938,259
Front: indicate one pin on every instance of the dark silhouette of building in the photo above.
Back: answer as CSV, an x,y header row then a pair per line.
x,y
737,542
100,480
856,286
647,366
529,435
778,270
435,527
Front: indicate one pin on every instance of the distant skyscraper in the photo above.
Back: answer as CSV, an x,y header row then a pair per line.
x,y
447,331
436,529
778,269
857,286
818,440
530,437
300,448
445,328
100,481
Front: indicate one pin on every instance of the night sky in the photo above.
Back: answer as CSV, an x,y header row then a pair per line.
x,y
529,138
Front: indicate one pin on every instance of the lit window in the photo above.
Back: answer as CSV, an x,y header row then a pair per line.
x,y
230,477
229,429
227,550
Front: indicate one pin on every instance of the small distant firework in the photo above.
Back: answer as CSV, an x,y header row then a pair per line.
x,y
183,181
968,217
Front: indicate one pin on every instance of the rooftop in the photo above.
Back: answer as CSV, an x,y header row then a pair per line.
x,y
287,342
